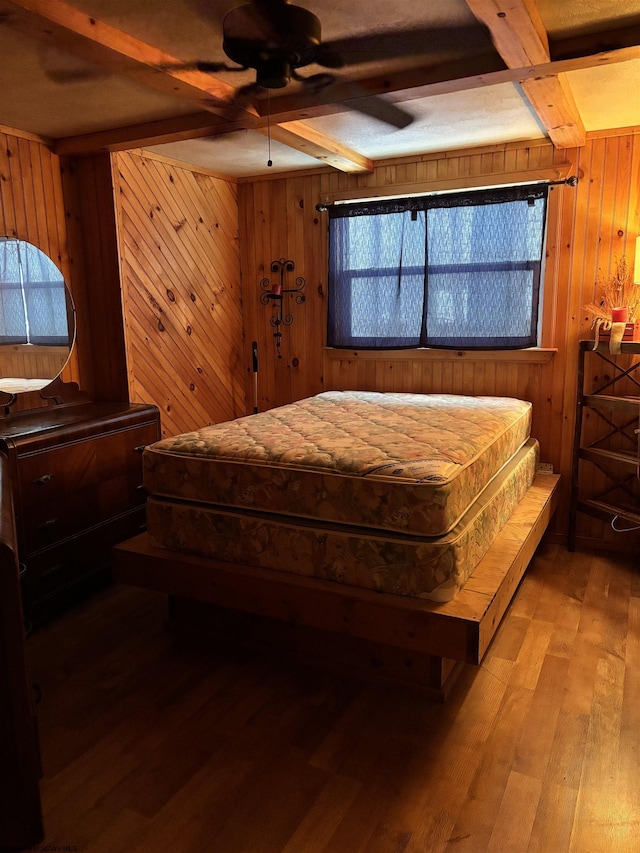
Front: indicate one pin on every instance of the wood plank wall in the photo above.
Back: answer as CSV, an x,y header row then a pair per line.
x,y
32,209
28,361
180,274
278,219
606,223
93,238
168,247
590,227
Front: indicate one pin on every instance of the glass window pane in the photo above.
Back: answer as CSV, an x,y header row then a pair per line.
x,y
447,271
33,306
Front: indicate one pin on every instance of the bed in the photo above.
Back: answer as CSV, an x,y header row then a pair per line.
x,y
400,496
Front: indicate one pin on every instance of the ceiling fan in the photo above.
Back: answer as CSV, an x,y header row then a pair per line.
x,y
277,38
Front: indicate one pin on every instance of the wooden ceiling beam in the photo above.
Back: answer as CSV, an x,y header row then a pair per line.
x,y
516,29
520,38
552,100
318,145
176,129
625,34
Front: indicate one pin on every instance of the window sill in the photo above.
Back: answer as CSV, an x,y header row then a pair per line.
x,y
533,355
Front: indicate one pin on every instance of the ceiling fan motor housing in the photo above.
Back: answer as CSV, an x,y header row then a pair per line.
x,y
272,50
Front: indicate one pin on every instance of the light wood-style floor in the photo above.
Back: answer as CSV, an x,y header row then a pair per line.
x,y
150,747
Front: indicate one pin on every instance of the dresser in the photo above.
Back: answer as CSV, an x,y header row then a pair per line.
x,y
76,474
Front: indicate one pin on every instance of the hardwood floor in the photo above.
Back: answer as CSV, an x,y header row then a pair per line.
x,y
149,745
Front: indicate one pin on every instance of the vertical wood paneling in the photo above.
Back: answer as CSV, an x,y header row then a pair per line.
x,y
268,234
91,224
180,273
590,227
32,209
31,362
606,224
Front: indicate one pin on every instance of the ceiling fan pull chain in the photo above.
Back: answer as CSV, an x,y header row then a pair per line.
x,y
269,161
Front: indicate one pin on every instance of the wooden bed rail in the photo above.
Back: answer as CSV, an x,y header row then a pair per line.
x,y
458,630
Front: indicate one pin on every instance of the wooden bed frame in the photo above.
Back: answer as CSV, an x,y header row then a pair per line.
x,y
390,636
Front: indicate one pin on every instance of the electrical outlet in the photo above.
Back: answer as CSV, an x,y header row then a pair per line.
x,y
545,468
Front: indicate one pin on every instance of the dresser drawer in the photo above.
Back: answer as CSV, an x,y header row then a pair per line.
x,y
51,569
70,467
74,486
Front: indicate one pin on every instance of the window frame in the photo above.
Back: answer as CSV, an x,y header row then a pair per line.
x,y
442,199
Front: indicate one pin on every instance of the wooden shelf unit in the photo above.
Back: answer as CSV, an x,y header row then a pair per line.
x,y
619,415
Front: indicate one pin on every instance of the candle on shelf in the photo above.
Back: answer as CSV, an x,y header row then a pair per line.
x,y
276,289
619,315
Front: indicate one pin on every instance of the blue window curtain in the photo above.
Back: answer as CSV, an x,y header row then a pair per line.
x,y
33,307
458,270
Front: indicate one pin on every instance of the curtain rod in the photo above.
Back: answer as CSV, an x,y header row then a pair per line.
x,y
571,181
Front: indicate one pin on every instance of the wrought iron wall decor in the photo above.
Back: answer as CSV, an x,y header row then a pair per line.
x,y
273,292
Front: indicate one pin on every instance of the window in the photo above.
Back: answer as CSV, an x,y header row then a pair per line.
x,y
459,270
33,307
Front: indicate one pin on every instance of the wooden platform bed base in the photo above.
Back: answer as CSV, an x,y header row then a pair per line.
x,y
387,636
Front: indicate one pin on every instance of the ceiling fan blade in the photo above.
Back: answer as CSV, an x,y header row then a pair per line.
x,y
201,65
472,38
315,83
378,108
361,101
244,95
75,75
62,67
212,67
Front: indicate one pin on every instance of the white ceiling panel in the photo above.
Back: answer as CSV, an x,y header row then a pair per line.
x,y
566,16
459,120
236,154
608,96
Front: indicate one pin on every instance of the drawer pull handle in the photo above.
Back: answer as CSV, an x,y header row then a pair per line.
x,y
139,448
40,481
51,570
46,525
141,488
22,568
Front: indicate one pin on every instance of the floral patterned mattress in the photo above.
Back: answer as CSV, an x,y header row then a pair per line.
x,y
431,567
409,463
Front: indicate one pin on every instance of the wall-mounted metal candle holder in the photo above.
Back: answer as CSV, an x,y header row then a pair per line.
x,y
273,292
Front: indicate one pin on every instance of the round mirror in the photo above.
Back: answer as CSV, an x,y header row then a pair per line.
x,y
37,318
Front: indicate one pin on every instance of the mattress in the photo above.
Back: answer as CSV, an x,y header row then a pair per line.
x,y
430,567
408,463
